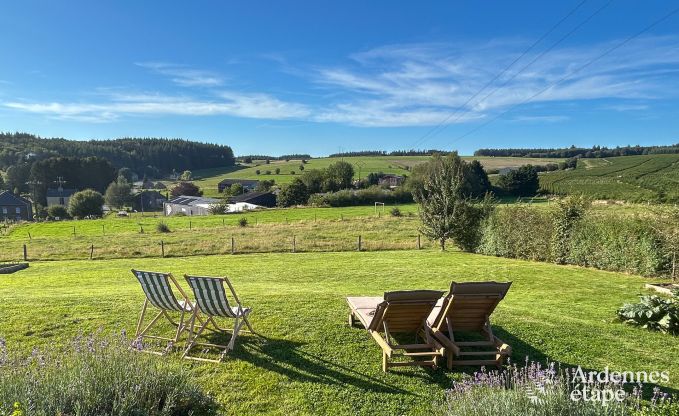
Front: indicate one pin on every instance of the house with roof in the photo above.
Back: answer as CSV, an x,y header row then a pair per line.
x,y
248,184
391,180
59,196
148,200
260,199
189,205
14,207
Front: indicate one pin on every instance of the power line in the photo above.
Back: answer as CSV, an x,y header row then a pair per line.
x,y
443,124
565,78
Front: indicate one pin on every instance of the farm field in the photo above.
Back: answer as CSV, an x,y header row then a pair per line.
x,y
208,179
633,178
311,361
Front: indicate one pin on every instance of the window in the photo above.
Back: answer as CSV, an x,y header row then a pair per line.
x,y
18,210
4,210
61,200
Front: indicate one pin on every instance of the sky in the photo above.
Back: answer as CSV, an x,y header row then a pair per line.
x,y
321,77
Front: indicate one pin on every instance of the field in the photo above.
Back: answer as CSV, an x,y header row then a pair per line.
x,y
631,178
209,178
311,361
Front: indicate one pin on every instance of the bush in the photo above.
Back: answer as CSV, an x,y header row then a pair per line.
x,y
185,188
86,203
268,172
294,193
519,182
654,313
218,209
57,212
258,171
367,196
278,171
242,222
395,212
569,211
98,376
292,172
162,227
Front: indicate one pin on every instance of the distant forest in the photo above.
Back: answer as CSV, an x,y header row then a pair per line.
x,y
145,156
294,156
410,152
594,152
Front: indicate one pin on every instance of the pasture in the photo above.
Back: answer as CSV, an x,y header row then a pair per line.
x,y
310,361
652,178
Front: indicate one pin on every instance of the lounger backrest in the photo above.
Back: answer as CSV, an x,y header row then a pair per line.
x,y
211,295
404,311
156,287
468,305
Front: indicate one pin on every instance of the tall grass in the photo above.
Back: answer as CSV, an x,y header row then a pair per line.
x,y
97,376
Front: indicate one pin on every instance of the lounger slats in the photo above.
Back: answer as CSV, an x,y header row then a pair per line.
x,y
156,287
210,296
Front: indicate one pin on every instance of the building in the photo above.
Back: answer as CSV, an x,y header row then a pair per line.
x,y
189,205
248,184
14,207
261,199
148,200
59,196
391,180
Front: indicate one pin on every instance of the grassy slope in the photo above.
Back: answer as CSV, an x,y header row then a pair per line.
x,y
209,178
311,361
634,178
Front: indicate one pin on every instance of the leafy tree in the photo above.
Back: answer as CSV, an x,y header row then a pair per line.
x,y
294,193
569,211
127,174
235,189
477,180
278,171
445,211
520,182
186,176
247,160
265,185
2,183
301,167
185,188
85,203
268,161
313,179
118,193
57,211
338,176
258,171
17,177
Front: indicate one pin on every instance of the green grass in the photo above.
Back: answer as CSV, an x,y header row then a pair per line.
x,y
311,361
631,178
363,165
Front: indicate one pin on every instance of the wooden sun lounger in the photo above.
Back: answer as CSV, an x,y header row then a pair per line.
x,y
467,308
399,312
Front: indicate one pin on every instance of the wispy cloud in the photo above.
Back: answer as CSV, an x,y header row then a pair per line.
x,y
540,119
183,75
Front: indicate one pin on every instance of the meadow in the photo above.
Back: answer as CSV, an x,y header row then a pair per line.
x,y
309,361
653,178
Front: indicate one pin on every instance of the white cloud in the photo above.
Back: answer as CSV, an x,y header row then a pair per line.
x,y
183,75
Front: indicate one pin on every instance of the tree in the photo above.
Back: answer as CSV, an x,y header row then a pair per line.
x,y
445,211
301,167
86,203
186,176
185,188
278,171
127,174
264,186
235,189
294,193
313,179
57,212
478,183
248,159
520,182
338,176
2,183
258,171
118,193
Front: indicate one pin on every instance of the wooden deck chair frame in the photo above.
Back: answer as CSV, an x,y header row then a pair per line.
x,y
468,307
162,298
211,310
402,312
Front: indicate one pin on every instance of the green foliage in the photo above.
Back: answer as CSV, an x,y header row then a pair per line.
x,y
367,196
118,193
278,171
85,203
654,313
162,227
519,182
2,182
569,211
265,185
338,175
313,179
258,171
242,222
185,188
98,376
294,193
235,189
58,211
127,173
186,176
395,212
301,168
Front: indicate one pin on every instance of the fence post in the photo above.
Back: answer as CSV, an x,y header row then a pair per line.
x,y
294,243
91,251
223,222
418,242
29,236
74,231
25,253
141,229
359,243
190,225
102,230
162,248
233,246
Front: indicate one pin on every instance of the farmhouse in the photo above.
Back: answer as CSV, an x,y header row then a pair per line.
x,y
189,205
59,196
391,180
262,199
148,200
14,207
248,184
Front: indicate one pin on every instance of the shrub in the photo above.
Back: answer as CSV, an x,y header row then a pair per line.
x,y
294,193
278,171
519,182
57,211
258,171
569,211
654,313
98,376
218,209
242,222
292,172
395,212
367,196
268,172
185,188
162,227
86,203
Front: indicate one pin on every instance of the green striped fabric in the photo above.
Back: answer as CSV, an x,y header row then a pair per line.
x,y
157,288
210,296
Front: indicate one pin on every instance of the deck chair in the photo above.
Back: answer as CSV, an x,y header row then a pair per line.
x,y
158,290
399,312
212,301
467,308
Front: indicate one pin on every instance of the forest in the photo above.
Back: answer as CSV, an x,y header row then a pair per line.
x,y
593,152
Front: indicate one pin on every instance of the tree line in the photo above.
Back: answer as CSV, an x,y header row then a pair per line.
x,y
151,157
294,156
411,152
582,152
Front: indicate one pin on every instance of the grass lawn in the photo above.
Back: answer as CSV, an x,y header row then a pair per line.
x,y
311,361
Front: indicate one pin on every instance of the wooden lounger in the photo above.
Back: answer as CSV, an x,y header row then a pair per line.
x,y
399,312
467,308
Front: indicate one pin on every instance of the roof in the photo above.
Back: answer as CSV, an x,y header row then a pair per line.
x,y
248,196
240,181
55,193
8,198
392,176
192,200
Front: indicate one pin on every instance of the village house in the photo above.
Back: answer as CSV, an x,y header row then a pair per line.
x,y
248,184
14,207
59,196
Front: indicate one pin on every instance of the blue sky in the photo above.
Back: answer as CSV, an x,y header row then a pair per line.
x,y
318,77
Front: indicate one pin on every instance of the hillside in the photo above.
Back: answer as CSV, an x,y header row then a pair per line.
x,y
644,178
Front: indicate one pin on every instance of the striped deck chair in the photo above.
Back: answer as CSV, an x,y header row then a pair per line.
x,y
212,301
467,308
158,290
399,312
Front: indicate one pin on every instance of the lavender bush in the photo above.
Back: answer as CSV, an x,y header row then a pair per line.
x,y
97,376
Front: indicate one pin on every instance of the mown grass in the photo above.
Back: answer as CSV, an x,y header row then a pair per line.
x,y
311,361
